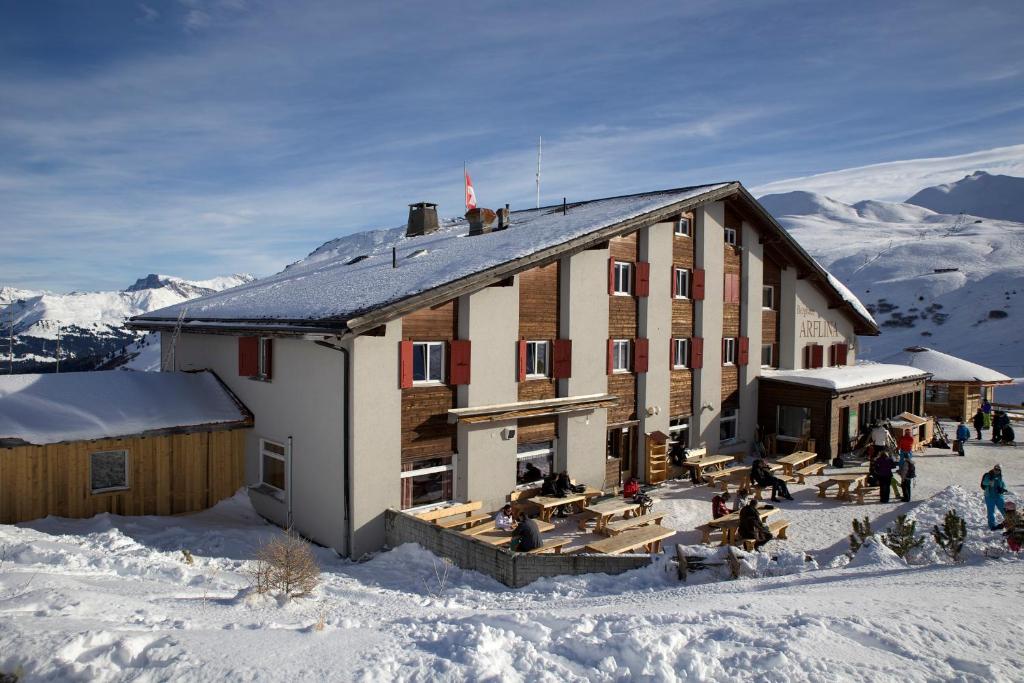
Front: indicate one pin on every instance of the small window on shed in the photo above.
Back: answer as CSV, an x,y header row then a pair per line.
x,y
108,471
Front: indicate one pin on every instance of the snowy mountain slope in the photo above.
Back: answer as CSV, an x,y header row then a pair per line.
x,y
979,194
952,283
91,324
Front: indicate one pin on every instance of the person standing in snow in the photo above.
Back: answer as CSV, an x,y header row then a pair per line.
x,y
986,411
882,468
908,472
979,422
999,422
879,437
992,485
963,435
718,505
752,527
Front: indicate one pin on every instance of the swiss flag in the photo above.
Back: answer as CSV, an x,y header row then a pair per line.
x,y
470,193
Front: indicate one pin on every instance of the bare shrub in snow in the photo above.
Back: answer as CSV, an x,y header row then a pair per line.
x,y
287,565
902,537
861,532
187,557
436,588
952,534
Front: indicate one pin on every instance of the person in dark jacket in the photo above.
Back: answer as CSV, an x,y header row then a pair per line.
x,y
752,527
1009,437
882,468
547,488
526,537
963,435
563,485
532,473
979,422
762,476
999,422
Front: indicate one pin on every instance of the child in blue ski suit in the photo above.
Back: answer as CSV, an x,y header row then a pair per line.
x,y
992,484
963,435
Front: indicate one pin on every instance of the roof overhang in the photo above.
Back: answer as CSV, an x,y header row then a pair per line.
x,y
525,409
845,390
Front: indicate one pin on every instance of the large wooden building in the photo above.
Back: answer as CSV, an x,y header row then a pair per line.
x,y
443,362
129,443
956,387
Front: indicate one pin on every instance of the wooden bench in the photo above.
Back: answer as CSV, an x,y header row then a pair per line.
x,y
456,522
706,530
824,486
618,526
553,545
466,509
810,471
778,528
647,537
758,489
865,491
722,477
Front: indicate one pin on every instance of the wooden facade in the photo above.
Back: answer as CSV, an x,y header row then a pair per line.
x,y
681,381
167,475
538,321
425,429
623,314
772,277
963,400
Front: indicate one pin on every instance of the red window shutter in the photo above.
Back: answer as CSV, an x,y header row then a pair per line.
x,y
248,356
643,278
697,285
832,355
696,352
736,288
817,354
268,359
641,347
611,276
458,361
744,351
611,356
727,288
561,352
675,288
405,364
521,367
841,353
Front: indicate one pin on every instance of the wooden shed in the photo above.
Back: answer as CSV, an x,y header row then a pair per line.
x,y
129,443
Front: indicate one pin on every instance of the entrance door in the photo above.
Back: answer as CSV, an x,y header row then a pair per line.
x,y
622,447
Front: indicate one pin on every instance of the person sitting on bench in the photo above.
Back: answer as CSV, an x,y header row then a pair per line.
x,y
631,488
752,527
742,496
526,537
718,505
763,477
505,520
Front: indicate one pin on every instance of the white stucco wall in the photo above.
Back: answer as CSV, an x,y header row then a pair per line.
x,y
303,401
751,282
655,323
709,254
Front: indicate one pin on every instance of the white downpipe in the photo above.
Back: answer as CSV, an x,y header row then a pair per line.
x,y
291,483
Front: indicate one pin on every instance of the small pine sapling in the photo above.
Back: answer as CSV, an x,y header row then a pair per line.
x,y
187,557
861,532
901,538
952,534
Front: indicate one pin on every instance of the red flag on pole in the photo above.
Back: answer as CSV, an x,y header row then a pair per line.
x,y
470,192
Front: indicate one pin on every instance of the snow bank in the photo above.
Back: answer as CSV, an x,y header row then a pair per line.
x,y
876,555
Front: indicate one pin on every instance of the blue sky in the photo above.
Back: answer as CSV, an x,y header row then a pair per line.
x,y
203,137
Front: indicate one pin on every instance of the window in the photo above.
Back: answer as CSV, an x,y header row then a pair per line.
x,y
766,355
537,359
679,431
683,226
730,236
264,369
768,298
427,482
427,362
108,471
682,283
624,278
273,457
620,355
729,351
542,458
680,352
936,393
727,425
793,423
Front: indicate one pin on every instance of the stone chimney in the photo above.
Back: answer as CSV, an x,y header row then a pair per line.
x,y
422,219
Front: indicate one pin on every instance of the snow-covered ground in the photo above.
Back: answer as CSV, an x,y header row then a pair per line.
x,y
111,598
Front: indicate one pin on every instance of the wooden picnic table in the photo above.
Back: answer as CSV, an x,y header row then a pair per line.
x,y
498,537
844,482
548,504
708,462
795,461
603,512
730,523
647,537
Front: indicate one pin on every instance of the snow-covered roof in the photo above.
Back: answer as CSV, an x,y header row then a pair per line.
x,y
346,282
846,377
80,406
944,367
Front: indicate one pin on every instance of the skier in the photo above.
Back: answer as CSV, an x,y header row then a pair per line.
x,y
992,485
979,422
963,435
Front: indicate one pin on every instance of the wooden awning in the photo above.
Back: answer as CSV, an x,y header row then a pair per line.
x,y
540,408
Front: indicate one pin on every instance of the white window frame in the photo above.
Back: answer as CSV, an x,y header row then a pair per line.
x,y
127,471
682,228
729,351
771,355
730,236
625,346
674,429
529,455
545,348
682,283
770,291
426,363
623,272
735,420
680,351
274,456
450,467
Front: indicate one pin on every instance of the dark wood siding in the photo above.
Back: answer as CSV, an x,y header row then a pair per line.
x,y
622,324
536,429
681,393
623,386
730,311
770,319
730,386
425,428
538,321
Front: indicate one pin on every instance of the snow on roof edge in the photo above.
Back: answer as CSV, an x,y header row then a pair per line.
x,y
846,377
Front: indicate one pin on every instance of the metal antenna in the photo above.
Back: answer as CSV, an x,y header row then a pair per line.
x,y
539,143
171,359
